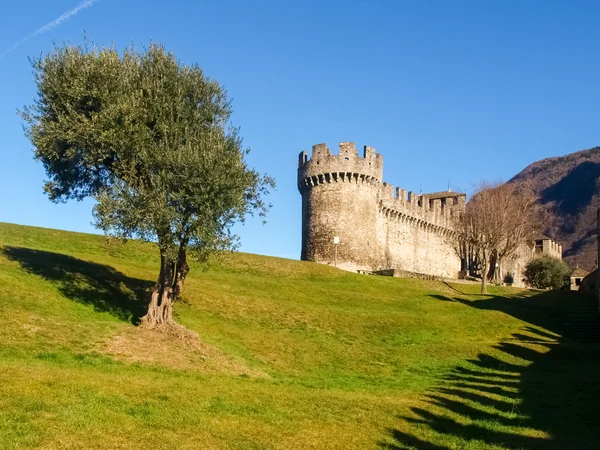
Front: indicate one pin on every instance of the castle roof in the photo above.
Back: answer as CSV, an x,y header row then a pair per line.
x,y
442,194
579,273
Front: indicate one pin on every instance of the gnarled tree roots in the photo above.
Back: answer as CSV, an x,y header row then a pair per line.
x,y
166,291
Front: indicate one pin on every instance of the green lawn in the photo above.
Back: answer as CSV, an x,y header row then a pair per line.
x,y
293,355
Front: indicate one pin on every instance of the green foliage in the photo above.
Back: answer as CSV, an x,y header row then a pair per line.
x,y
547,272
150,139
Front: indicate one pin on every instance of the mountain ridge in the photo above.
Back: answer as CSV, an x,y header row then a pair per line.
x,y
568,191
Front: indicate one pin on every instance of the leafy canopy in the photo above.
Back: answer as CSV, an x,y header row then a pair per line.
x,y
547,272
150,139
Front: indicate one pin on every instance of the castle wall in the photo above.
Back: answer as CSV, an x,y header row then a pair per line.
x,y
549,247
417,248
514,267
379,227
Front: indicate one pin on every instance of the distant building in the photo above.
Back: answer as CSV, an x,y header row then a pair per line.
x,y
577,277
546,246
513,268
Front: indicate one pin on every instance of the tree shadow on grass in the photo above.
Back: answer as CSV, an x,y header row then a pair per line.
x,y
98,285
538,389
441,297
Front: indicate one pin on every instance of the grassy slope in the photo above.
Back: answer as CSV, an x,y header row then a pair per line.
x,y
294,355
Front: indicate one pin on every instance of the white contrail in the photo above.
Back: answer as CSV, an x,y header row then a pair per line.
x,y
51,25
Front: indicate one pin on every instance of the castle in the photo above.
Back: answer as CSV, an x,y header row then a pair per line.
x,y
376,226
352,219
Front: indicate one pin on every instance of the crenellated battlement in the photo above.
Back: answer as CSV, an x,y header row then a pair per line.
x,y
346,162
440,209
437,209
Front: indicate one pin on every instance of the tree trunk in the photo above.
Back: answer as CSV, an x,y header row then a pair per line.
x,y
160,308
167,290
165,308
181,273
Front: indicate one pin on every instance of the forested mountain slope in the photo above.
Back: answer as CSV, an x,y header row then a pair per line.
x,y
568,188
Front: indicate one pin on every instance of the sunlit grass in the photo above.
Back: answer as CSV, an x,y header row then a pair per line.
x,y
292,355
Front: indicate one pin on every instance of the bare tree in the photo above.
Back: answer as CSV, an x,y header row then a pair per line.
x,y
498,220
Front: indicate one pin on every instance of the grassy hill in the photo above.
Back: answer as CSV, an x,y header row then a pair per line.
x,y
293,355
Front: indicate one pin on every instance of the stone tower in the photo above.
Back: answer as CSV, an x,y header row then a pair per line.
x,y
379,227
340,196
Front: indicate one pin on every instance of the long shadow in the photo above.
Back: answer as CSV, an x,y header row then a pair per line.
x,y
538,389
101,286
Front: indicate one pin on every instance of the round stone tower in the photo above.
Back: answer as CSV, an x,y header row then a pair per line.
x,y
340,195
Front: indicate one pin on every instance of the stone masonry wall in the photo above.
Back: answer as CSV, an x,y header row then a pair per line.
x,y
417,248
514,267
379,227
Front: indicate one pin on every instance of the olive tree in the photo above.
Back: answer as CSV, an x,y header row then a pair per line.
x,y
546,272
150,140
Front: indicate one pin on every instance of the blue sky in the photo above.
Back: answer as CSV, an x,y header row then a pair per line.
x,y
447,91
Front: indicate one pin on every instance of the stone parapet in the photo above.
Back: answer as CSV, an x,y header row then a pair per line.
x,y
346,167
